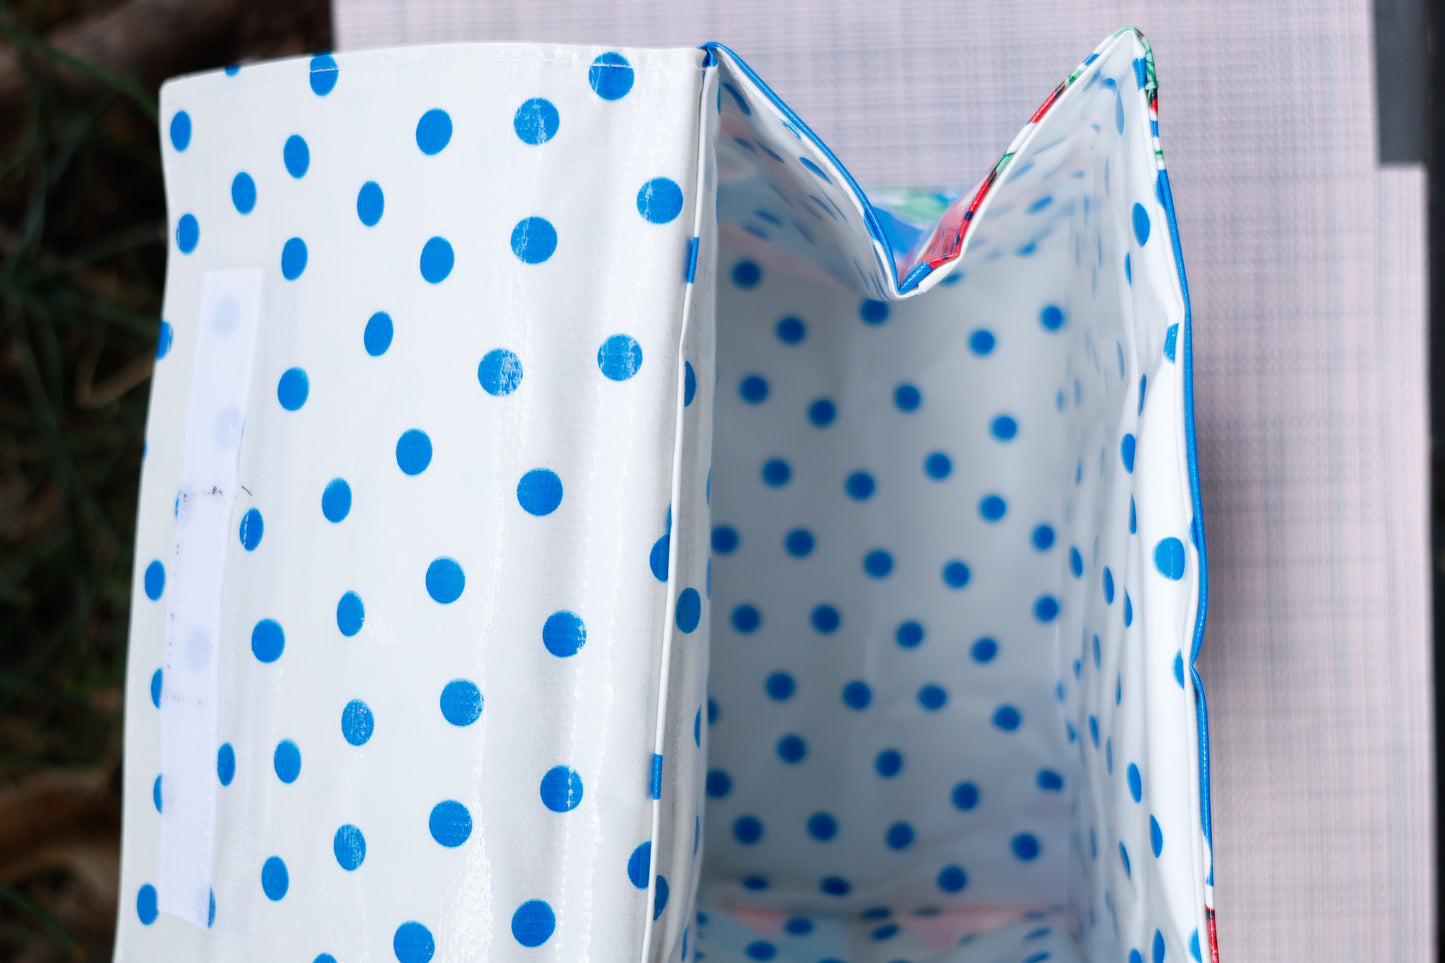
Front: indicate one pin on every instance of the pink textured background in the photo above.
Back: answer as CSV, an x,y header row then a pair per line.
x,y
1306,265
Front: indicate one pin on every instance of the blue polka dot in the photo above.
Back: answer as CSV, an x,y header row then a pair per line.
x,y
657,559
1178,670
561,789
157,678
1108,586
956,574
689,383
610,76
274,879
1136,957
1128,610
907,397
243,193
659,899
181,130
1141,224
965,796
252,527
718,783
1194,945
146,904
1076,562
225,764
1128,271
164,340
982,342
792,749
1126,452
296,155
984,650
878,563
370,202
536,121
859,485
873,312
724,539
780,686
754,389
499,372
1051,317
822,827
323,74
826,619
413,943
1170,338
1158,947
534,921
350,613
349,846
747,274
776,472
1156,836
154,580
1124,858
450,823
932,697
889,763
445,580
539,492
938,466
377,336
1043,538
798,542
660,200
639,865
1169,558
461,702
619,357
746,618
689,610
188,233
992,508
336,500
822,412
1136,782
433,131
436,260
857,695
293,258
564,634
790,330
413,451
952,879
156,794
1046,608
761,950
293,389
835,886
909,635
534,240
1025,846
1004,428
798,926
1007,718
754,883
267,640
747,830
357,722
899,836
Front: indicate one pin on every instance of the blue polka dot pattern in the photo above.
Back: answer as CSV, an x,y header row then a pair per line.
x,y
370,202
155,580
413,943
450,823
336,500
350,613
619,357
252,527
413,451
293,258
461,702
534,240
689,610
639,865
564,634
445,580
243,193
268,641
188,233
437,260
349,847
376,337
500,372
324,74
286,761
180,130
293,389
225,763
536,121
534,922
539,492
433,131
275,880
660,200
146,904
611,76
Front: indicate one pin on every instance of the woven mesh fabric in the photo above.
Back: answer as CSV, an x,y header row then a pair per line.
x,y
1306,263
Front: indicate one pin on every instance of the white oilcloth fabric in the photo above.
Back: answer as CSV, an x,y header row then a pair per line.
x,y
645,547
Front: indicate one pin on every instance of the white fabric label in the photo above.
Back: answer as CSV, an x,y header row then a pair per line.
x,y
229,319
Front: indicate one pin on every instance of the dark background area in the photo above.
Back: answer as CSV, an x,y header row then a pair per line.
x,y
82,262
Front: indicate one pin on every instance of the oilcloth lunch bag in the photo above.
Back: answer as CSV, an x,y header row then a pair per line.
x,y
578,524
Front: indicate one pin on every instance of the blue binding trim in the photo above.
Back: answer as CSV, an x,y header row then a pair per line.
x,y
1186,336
